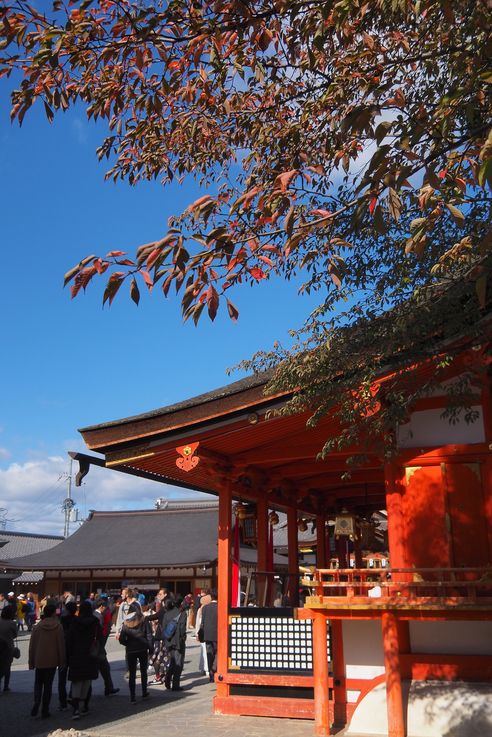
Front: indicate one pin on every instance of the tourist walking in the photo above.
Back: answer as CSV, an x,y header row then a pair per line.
x,y
127,599
102,612
83,637
31,611
203,661
174,634
136,636
209,626
65,621
160,655
46,654
8,633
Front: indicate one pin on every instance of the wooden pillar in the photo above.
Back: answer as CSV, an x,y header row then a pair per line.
x,y
341,551
262,550
321,556
394,695
224,585
292,545
320,672
339,679
396,527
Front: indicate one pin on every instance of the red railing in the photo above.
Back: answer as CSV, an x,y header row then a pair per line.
x,y
470,584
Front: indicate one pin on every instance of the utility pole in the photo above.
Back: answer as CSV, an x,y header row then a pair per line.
x,y
68,503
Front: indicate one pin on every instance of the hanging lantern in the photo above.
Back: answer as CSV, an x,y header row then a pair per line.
x,y
241,511
302,525
345,525
273,518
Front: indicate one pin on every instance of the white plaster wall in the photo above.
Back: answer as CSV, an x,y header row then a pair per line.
x,y
433,709
363,649
428,428
453,638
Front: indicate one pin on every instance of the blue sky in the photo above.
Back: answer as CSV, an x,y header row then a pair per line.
x,y
66,364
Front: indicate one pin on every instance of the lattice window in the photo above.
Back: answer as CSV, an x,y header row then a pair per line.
x,y
278,644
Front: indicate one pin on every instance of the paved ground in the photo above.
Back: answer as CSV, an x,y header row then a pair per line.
x,y
164,713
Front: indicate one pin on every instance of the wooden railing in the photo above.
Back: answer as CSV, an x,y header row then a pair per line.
x,y
470,584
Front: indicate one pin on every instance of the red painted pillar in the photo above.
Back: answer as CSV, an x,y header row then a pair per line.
x,y
339,680
292,545
224,584
262,551
320,672
394,695
396,528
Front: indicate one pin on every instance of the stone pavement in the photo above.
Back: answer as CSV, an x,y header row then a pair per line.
x,y
165,712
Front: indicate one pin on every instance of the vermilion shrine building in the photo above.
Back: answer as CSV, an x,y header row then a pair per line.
x,y
410,653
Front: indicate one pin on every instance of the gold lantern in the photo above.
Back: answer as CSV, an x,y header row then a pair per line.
x,y
345,525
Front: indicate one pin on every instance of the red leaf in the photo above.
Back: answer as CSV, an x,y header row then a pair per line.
x,y
212,302
232,310
257,273
285,179
114,254
372,204
147,278
200,201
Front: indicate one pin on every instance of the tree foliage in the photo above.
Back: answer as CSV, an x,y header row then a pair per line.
x,y
345,140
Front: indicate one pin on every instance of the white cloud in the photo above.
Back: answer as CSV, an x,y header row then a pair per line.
x,y
31,493
4,454
80,129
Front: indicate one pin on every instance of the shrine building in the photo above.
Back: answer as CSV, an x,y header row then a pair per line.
x,y
402,649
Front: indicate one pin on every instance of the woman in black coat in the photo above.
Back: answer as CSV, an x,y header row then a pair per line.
x,y
175,618
83,635
136,636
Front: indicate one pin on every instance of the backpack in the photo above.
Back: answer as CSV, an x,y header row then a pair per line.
x,y
171,628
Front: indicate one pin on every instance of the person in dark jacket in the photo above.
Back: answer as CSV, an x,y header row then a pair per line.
x,y
46,654
65,621
136,636
175,618
209,625
8,633
83,667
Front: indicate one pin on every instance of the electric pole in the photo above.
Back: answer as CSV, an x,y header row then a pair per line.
x,y
68,503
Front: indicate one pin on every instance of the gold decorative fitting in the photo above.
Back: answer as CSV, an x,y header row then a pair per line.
x,y
253,418
187,451
302,525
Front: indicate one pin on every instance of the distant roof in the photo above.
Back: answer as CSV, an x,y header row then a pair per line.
x,y
183,534
16,544
29,577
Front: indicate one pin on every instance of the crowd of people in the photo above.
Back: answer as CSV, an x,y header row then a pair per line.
x,y
69,636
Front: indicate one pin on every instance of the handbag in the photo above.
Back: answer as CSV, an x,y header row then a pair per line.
x,y
200,635
16,653
96,649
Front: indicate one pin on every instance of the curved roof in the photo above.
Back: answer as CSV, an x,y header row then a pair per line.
x,y
179,537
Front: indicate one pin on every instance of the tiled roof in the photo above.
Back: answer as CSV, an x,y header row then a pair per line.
x,y
183,534
236,387
16,544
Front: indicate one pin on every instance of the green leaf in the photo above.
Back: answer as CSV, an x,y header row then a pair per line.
x,y
456,214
